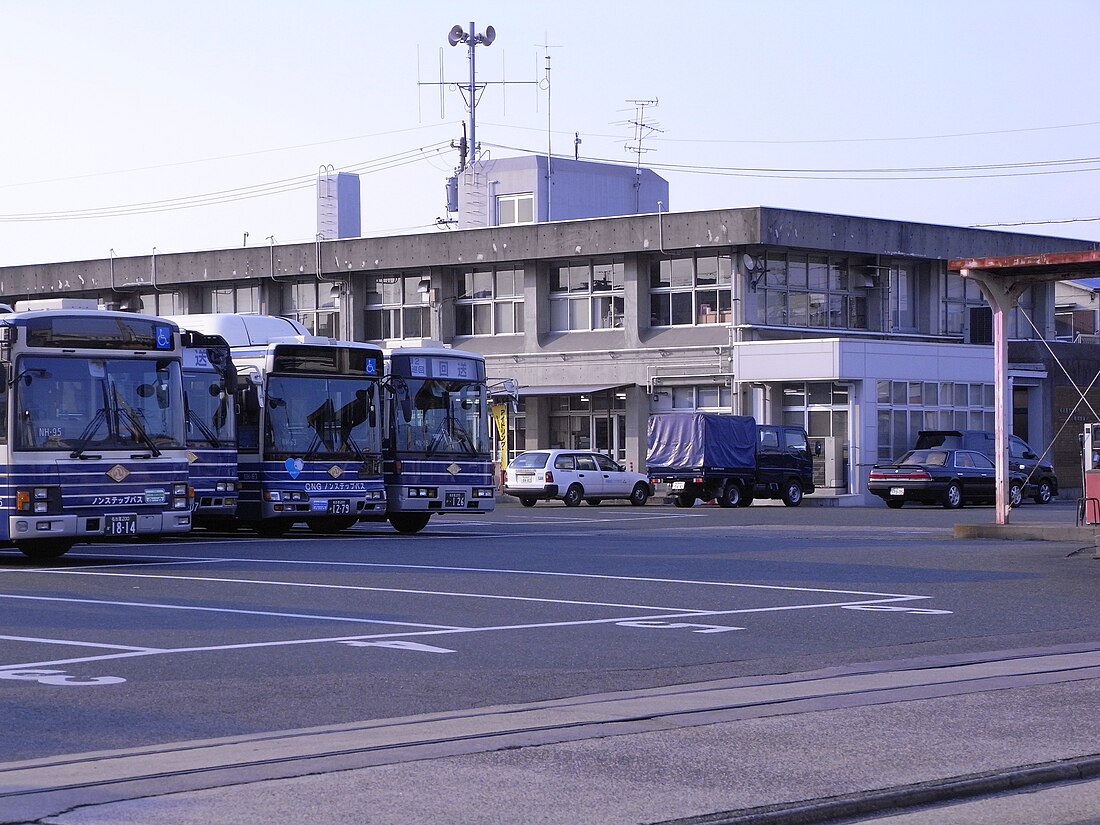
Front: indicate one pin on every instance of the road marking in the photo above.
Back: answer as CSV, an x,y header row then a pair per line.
x,y
200,609
351,587
656,613
495,570
434,632
73,643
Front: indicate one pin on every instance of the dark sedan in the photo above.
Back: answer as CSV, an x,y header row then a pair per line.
x,y
938,476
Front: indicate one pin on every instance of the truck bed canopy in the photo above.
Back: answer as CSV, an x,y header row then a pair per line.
x,y
687,440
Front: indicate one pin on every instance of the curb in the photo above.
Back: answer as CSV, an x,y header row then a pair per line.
x,y
1028,532
896,800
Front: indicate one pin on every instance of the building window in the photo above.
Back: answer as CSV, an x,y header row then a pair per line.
x,y
232,299
489,301
513,210
161,303
960,296
690,291
396,307
703,397
314,305
907,407
586,294
1021,320
819,291
903,297
589,422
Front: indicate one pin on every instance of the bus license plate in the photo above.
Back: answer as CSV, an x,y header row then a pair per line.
x,y
454,499
339,506
124,525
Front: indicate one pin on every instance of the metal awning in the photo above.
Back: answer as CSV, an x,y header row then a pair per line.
x,y
1002,280
569,389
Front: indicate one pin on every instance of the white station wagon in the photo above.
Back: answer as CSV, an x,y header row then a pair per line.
x,y
573,476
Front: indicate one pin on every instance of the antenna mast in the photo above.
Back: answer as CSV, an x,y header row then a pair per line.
x,y
471,90
642,130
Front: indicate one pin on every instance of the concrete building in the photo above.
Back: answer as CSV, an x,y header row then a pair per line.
x,y
851,326
537,189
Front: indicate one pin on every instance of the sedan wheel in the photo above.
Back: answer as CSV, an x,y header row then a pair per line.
x,y
639,495
527,501
895,503
573,496
953,498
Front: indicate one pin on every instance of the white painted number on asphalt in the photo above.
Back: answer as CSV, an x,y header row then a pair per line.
x,y
58,677
701,628
398,645
889,608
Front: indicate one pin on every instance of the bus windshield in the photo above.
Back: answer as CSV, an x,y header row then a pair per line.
x,y
209,419
78,403
326,416
440,415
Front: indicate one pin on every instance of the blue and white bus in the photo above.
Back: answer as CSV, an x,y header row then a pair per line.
x,y
308,426
92,442
209,393
438,456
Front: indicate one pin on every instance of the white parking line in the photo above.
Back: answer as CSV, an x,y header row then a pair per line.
x,y
73,643
490,570
849,598
233,610
436,632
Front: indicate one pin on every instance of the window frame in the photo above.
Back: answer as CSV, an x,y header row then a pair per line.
x,y
684,291
489,300
583,301
399,311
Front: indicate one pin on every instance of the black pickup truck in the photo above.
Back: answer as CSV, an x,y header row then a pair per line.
x,y
728,458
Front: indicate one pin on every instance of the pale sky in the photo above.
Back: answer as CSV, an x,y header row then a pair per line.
x,y
961,112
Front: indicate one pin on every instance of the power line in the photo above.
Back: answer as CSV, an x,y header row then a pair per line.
x,y
910,173
949,136
227,195
1033,223
211,159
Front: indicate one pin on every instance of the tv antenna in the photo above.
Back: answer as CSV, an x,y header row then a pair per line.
x,y
642,130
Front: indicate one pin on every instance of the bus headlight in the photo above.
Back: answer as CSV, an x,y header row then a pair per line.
x,y
422,492
38,500
285,495
484,492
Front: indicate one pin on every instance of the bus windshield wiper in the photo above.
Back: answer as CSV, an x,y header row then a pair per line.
x,y
139,430
207,433
89,431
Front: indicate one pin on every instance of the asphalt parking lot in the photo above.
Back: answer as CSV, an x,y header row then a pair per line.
x,y
130,647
